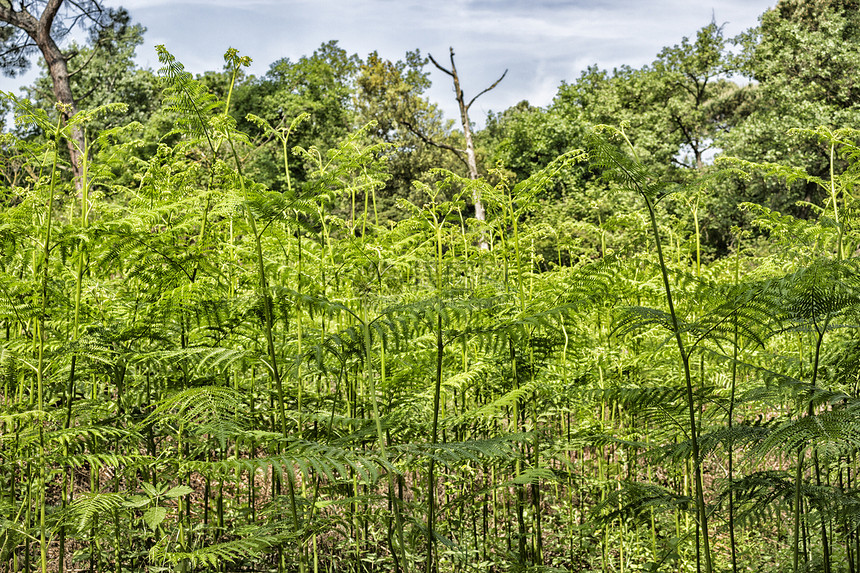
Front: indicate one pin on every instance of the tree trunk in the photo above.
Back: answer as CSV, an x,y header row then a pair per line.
x,y
58,68
480,212
39,30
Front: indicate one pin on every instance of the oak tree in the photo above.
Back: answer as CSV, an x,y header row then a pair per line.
x,y
802,59
390,96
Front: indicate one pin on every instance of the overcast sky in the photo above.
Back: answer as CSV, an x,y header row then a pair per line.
x,y
540,42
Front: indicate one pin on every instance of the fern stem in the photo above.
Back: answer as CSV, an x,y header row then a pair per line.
x,y
839,250
685,360
40,367
798,477
380,435
730,421
430,564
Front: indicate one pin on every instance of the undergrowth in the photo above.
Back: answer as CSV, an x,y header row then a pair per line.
x,y
201,374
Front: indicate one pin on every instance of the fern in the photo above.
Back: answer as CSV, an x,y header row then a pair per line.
x,y
187,97
203,410
632,501
86,509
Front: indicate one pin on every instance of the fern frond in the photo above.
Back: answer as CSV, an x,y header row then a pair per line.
x,y
216,554
82,512
620,168
310,458
187,97
482,451
633,501
840,428
203,410
758,496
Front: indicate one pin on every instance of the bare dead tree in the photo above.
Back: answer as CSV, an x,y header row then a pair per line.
x,y
480,213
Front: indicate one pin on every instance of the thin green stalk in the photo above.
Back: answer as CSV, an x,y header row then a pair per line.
x,y
730,444
40,368
800,455
430,564
380,435
798,477
701,510
839,250
268,327
685,359
79,277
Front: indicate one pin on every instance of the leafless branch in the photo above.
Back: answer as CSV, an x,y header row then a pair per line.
x,y
435,63
417,133
486,90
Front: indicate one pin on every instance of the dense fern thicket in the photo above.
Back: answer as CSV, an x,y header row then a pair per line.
x,y
202,374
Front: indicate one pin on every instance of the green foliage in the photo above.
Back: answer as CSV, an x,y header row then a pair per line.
x,y
800,56
389,97
104,72
266,336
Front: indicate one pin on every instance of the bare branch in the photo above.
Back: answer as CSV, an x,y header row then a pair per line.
x,y
417,133
435,63
680,163
471,101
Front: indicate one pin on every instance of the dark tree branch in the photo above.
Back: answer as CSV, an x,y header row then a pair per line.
x,y
20,19
471,101
83,98
24,46
85,64
95,14
420,135
435,63
47,19
680,163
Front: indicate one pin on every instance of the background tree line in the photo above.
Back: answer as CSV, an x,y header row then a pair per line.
x,y
707,95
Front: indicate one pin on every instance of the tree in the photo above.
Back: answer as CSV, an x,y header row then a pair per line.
x,y
525,139
676,112
106,73
319,85
480,214
419,139
694,95
803,58
38,25
677,106
623,96
391,94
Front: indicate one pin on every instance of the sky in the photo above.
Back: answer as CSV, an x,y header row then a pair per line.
x,y
540,42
